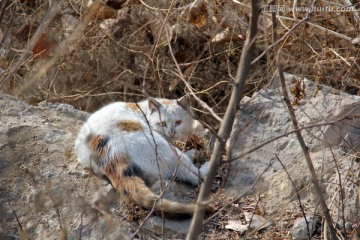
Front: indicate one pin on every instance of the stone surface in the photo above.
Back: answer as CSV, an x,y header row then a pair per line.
x,y
264,117
40,176
41,180
300,229
172,228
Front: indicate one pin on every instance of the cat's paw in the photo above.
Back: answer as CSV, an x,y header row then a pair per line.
x,y
204,169
192,154
198,129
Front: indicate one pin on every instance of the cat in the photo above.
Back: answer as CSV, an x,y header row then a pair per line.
x,y
130,144
174,120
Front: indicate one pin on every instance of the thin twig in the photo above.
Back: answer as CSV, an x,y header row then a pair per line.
x,y
227,123
62,49
50,14
280,40
3,6
281,136
305,150
297,196
82,212
341,190
188,86
240,196
24,235
322,29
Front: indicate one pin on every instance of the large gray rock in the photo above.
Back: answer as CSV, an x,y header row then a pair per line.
x,y
264,117
303,228
41,180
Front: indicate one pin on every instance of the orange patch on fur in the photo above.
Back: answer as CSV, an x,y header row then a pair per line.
x,y
133,106
97,144
166,102
116,166
134,190
129,126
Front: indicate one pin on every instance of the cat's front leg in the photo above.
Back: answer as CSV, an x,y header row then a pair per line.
x,y
192,154
204,169
186,170
198,129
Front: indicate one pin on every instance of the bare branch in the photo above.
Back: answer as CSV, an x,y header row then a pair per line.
x,y
227,123
297,196
50,14
62,49
281,136
305,150
280,40
245,192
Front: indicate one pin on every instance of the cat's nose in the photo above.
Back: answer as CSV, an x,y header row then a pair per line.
x,y
172,133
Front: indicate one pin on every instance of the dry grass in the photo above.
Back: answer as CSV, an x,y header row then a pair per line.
x,y
132,59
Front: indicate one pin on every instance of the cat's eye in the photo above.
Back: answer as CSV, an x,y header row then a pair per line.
x,y
163,124
177,123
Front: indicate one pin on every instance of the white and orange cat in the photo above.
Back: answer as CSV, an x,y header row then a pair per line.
x,y
130,144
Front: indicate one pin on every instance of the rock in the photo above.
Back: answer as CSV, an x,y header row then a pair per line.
x,y
253,221
171,227
350,143
42,180
300,230
264,116
348,226
37,175
40,176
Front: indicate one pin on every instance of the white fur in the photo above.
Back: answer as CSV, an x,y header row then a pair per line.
x,y
171,114
147,148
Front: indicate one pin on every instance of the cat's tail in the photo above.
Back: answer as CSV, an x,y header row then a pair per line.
x,y
126,178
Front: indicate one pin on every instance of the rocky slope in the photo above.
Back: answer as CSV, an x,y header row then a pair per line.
x,y
50,193
333,143
40,177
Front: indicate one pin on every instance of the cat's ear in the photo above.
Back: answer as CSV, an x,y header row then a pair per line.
x,y
184,101
153,105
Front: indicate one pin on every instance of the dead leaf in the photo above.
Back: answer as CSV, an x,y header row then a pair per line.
x,y
226,36
195,13
100,11
43,46
257,222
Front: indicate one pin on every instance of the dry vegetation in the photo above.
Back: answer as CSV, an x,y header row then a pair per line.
x,y
131,57
131,49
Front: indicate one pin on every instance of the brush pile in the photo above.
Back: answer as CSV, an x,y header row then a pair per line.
x,y
90,53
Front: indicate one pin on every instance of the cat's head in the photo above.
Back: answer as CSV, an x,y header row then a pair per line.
x,y
170,117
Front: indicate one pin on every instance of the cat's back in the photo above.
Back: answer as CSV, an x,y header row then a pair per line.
x,y
115,110
103,140
111,131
